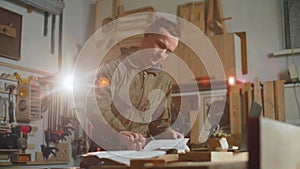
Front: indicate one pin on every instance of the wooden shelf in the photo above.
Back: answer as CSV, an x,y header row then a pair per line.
x,y
34,163
286,52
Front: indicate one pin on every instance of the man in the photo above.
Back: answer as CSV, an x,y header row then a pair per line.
x,y
134,94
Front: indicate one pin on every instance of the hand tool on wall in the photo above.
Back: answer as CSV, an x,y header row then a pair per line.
x,y
8,30
22,80
47,151
52,34
11,106
22,131
46,15
9,141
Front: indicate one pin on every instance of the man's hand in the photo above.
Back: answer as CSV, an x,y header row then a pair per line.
x,y
134,141
170,134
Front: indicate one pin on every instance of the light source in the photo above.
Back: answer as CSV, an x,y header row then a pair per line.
x,y
51,6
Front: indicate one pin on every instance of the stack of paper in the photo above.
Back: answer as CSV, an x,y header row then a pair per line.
x,y
152,149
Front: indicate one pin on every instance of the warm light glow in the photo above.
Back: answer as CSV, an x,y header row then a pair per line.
x,y
231,80
103,81
68,82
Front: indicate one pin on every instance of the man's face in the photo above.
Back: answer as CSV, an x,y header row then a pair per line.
x,y
160,45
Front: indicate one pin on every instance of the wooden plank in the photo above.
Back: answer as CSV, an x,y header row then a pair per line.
x,y
198,15
97,15
268,96
26,69
214,156
139,163
245,90
244,63
279,100
200,165
257,91
220,17
235,109
143,9
224,44
248,93
115,11
210,16
195,127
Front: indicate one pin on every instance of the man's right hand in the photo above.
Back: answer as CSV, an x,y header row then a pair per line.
x,y
134,141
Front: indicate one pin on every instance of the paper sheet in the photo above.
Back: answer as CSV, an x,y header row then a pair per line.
x,y
152,149
125,156
165,144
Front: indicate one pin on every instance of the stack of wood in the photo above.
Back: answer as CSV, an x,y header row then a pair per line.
x,y
269,94
206,15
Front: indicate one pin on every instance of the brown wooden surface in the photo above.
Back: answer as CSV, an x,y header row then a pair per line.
x,y
220,16
209,16
199,165
193,12
225,46
115,11
268,97
244,61
279,100
97,14
195,126
235,109
257,91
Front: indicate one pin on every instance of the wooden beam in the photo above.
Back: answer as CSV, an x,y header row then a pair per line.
x,y
210,16
257,91
279,100
26,69
115,11
220,17
97,16
235,109
268,93
242,35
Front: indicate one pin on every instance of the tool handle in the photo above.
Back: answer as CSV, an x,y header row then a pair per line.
x,y
11,112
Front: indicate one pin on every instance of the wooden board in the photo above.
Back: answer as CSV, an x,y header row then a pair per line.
x,y
195,127
193,12
279,100
235,109
257,91
244,59
268,103
225,46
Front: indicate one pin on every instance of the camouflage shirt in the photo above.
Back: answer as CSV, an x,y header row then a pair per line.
x,y
134,99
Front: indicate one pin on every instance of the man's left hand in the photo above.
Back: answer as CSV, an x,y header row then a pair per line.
x,y
170,134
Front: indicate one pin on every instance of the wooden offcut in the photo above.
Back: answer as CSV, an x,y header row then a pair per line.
x,y
257,91
193,12
235,109
268,104
195,127
279,100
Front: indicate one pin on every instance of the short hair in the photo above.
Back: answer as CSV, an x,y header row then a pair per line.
x,y
162,22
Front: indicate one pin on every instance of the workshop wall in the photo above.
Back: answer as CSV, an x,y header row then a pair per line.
x,y
261,20
36,49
